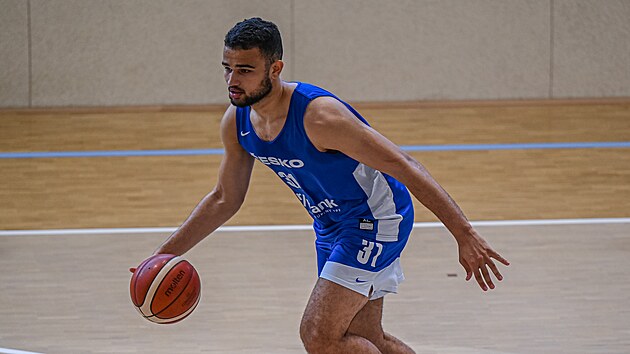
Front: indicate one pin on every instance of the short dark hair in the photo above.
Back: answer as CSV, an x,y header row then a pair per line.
x,y
256,33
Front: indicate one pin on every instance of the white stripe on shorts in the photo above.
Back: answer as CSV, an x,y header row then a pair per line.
x,y
362,281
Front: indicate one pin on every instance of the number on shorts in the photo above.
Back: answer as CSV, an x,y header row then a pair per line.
x,y
364,255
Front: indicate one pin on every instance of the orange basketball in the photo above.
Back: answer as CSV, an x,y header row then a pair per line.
x,y
165,288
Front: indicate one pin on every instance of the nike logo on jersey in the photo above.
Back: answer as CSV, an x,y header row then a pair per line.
x,y
244,133
360,281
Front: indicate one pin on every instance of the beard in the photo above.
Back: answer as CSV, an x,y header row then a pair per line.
x,y
256,96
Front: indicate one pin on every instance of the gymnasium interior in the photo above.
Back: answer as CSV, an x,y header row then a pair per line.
x,y
109,137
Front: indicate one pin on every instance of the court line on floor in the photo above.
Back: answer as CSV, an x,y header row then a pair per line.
x,y
412,148
15,351
259,228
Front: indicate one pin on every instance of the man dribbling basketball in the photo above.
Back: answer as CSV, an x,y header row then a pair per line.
x,y
351,180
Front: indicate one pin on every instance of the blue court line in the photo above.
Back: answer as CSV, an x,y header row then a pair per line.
x,y
189,152
111,153
519,146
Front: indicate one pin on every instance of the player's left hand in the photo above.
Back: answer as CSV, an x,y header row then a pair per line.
x,y
475,255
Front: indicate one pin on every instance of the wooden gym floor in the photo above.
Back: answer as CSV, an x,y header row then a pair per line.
x,y
567,290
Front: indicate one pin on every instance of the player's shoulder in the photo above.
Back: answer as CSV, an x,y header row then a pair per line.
x,y
228,122
325,109
229,116
230,113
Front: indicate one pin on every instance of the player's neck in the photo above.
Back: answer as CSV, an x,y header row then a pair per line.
x,y
276,104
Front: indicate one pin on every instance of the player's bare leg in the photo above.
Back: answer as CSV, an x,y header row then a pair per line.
x,y
368,324
328,314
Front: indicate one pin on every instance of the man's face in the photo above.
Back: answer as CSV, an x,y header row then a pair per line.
x,y
246,75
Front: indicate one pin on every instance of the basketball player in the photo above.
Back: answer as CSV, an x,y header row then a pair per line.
x,y
351,180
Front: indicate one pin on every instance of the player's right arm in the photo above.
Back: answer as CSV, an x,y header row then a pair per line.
x,y
218,206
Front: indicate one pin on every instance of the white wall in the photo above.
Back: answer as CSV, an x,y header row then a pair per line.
x,y
14,76
591,42
147,52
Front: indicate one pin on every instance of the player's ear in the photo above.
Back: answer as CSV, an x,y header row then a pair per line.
x,y
276,69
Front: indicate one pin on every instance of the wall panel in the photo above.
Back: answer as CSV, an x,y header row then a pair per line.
x,y
409,50
135,52
14,79
591,48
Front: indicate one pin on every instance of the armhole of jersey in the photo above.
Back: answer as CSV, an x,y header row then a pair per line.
x,y
241,124
303,127
328,94
237,117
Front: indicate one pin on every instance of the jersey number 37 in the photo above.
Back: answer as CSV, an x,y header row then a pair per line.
x,y
364,255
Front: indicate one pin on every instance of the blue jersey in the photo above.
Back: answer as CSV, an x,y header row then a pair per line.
x,y
341,194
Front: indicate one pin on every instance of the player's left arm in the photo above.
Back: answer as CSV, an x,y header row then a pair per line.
x,y
331,126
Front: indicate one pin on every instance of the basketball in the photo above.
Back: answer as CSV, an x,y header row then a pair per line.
x,y
165,288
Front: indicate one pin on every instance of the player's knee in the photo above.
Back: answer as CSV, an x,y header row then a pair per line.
x,y
313,338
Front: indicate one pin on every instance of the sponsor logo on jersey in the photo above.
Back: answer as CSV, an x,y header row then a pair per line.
x,y
319,208
276,161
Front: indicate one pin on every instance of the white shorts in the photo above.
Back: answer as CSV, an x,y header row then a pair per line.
x,y
370,284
